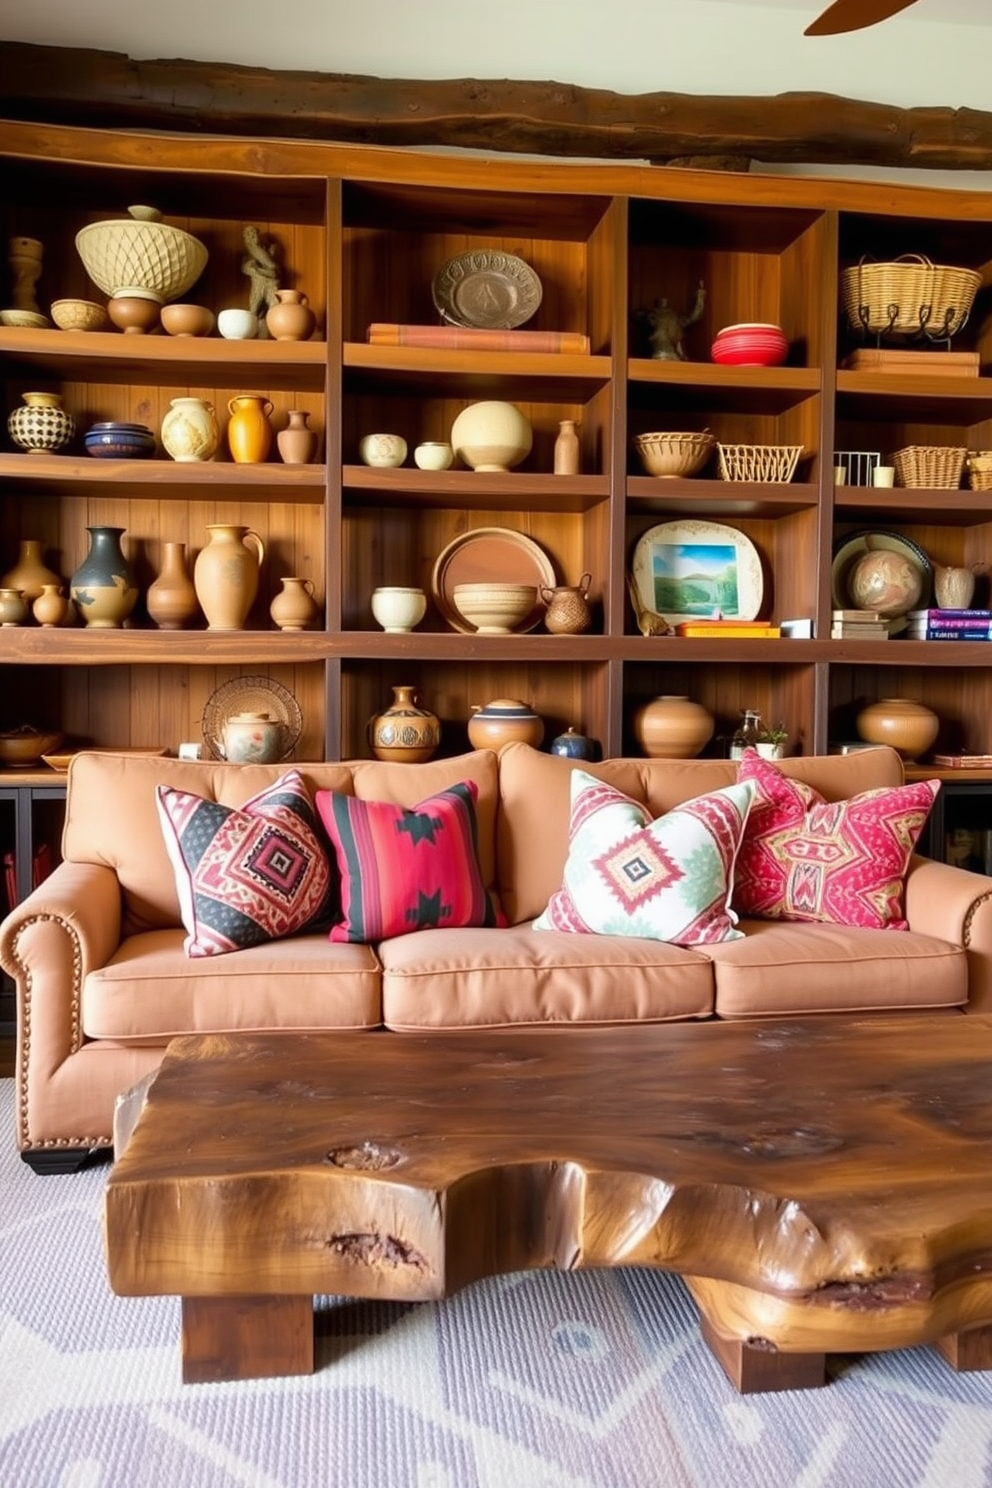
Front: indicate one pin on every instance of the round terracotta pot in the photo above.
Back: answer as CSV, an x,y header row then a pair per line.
x,y
505,721
907,725
291,319
671,727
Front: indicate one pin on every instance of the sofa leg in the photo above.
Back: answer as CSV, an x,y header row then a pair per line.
x,y
47,1160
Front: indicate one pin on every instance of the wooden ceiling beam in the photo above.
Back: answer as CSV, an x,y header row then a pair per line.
x,y
78,86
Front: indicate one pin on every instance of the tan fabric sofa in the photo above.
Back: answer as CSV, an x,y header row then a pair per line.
x,y
103,982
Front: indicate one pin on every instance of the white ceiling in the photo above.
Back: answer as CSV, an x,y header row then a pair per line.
x,y
937,12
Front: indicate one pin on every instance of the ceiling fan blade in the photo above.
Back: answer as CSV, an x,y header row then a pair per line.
x,y
854,15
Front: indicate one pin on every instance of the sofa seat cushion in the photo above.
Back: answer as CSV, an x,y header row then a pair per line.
x,y
150,990
482,978
785,968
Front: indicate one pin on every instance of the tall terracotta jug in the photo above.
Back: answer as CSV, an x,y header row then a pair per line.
x,y
225,574
249,434
171,598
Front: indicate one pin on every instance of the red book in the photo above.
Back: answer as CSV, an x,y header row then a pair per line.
x,y
41,864
10,879
467,338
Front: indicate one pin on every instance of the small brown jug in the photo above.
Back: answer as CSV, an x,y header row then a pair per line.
x,y
568,611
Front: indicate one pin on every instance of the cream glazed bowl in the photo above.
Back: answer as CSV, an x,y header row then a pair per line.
x,y
384,451
398,609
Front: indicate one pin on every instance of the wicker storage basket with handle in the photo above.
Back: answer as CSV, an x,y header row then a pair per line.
x,y
907,296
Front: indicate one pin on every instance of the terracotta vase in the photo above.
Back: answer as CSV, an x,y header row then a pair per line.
x,y
504,721
567,454
291,319
171,598
52,606
249,433
910,727
29,573
294,607
225,574
673,728
297,443
103,586
190,430
404,731
40,426
568,610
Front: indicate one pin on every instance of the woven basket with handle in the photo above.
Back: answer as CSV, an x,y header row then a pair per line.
x,y
908,295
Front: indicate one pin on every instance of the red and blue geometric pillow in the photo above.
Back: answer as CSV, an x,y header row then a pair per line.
x,y
833,862
405,870
247,874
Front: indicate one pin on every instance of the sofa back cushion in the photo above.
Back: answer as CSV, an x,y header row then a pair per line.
x,y
112,817
535,804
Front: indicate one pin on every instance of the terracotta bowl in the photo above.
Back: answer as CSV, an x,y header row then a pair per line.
x,y
752,344
79,315
187,320
494,609
25,746
134,315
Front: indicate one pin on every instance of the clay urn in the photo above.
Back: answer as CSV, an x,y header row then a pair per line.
x,y
909,726
504,721
670,727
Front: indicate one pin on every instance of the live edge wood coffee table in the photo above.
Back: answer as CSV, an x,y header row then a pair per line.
x,y
821,1184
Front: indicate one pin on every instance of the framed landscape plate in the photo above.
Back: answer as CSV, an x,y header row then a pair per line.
x,y
698,569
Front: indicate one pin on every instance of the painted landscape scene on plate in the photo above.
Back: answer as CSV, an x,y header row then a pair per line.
x,y
695,578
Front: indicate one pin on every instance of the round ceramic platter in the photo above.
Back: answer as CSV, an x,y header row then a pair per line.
x,y
849,549
702,570
251,695
486,290
489,555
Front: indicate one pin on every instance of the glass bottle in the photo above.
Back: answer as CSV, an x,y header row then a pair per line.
x,y
746,734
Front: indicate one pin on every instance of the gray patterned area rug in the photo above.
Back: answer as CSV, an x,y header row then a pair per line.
x,y
540,1380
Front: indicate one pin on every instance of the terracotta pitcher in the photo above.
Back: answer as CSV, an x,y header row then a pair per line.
x,y
225,575
291,319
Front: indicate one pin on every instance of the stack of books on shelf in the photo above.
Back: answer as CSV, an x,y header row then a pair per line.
x,y
471,338
724,629
962,761
949,625
858,625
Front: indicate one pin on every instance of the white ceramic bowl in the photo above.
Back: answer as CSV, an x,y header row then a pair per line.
x,y
492,436
398,609
383,451
433,454
494,609
236,324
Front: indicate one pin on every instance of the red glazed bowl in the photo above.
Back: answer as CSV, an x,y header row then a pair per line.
x,y
750,345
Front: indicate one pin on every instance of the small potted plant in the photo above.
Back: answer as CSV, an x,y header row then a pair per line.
x,y
771,742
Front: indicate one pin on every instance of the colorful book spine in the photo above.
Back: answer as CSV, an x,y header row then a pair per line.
x,y
467,338
949,618
950,633
727,630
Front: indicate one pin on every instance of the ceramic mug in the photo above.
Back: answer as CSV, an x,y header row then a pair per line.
x,y
237,325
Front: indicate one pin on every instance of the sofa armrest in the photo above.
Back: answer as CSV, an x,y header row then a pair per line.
x,y
68,925
956,905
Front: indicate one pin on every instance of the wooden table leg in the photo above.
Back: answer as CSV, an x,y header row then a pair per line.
x,y
227,1338
757,1371
967,1351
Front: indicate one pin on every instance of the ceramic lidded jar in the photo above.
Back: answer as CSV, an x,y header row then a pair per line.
x,y
225,574
103,586
252,739
504,721
404,731
190,430
41,425
291,319
670,727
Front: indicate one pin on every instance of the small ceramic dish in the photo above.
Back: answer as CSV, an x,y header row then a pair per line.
x,y
119,441
79,315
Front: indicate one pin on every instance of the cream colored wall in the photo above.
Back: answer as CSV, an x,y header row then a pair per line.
x,y
631,46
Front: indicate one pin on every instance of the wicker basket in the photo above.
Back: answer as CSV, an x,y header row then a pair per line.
x,y
908,295
762,463
670,455
932,465
979,465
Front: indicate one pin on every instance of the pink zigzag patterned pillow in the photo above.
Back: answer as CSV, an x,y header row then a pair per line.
x,y
836,862
248,874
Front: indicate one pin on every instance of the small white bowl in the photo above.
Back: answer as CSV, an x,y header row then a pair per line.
x,y
384,451
236,324
433,454
398,609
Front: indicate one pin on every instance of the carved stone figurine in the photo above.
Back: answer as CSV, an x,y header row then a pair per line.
x,y
667,326
260,265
